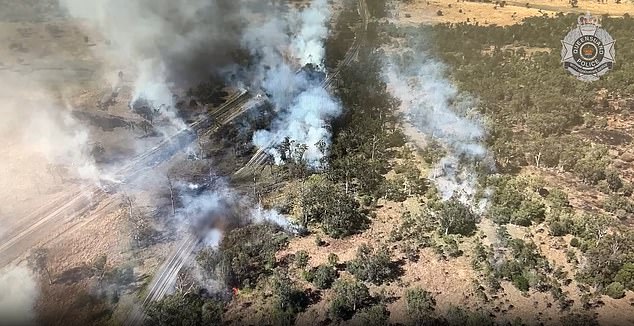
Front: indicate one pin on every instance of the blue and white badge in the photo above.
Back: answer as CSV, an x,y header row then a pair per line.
x,y
588,50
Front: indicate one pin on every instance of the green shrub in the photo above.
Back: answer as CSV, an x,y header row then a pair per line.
x,y
371,265
558,198
451,248
377,315
333,259
301,259
288,298
420,304
457,218
326,203
349,297
625,276
591,168
613,180
244,255
530,211
616,202
520,282
558,228
615,290
324,276
184,309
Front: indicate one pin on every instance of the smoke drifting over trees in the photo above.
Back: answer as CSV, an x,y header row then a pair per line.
x,y
302,103
175,45
435,108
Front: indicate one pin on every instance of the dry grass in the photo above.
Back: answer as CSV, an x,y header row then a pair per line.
x,y
425,12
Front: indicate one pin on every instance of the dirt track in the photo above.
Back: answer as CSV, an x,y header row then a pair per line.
x,y
62,214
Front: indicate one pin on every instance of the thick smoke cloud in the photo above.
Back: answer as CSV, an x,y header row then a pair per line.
x,y
18,293
173,44
189,39
308,41
305,122
304,107
435,108
167,44
62,140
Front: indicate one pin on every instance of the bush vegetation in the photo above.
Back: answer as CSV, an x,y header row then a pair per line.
x,y
372,265
245,255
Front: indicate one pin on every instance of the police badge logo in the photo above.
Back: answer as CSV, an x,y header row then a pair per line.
x,y
588,50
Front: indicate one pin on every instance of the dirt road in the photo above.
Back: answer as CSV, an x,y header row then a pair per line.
x,y
54,218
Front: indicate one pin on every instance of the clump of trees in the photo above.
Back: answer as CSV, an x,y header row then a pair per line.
x,y
245,255
185,309
325,203
365,136
537,108
456,218
522,265
420,305
288,299
609,259
621,206
512,204
349,297
372,265
526,263
322,276
414,231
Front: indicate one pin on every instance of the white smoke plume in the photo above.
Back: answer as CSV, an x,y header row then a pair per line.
x,y
18,294
305,122
308,42
261,215
304,107
211,210
213,238
437,110
153,87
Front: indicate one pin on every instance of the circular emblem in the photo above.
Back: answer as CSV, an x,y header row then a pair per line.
x,y
588,50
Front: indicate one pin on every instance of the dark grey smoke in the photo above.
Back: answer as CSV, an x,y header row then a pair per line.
x,y
189,40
